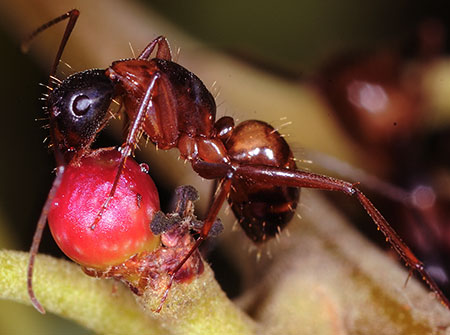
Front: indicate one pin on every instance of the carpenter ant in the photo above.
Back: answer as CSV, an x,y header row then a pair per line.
x,y
252,162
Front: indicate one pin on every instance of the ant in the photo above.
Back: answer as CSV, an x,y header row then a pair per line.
x,y
253,164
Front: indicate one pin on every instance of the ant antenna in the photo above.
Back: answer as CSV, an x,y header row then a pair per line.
x,y
37,239
73,17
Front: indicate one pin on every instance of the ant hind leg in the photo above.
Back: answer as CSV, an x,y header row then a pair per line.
x,y
297,178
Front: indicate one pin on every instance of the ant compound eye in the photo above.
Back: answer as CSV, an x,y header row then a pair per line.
x,y
80,105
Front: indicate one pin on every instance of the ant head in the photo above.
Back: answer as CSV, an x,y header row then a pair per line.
x,y
79,109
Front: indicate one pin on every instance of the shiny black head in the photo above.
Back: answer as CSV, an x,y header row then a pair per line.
x,y
78,109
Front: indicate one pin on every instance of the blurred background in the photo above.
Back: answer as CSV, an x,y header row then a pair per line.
x,y
322,66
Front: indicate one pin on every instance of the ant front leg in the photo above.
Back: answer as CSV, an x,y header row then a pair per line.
x,y
130,143
296,178
163,51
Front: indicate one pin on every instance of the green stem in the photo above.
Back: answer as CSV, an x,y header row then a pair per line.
x,y
200,307
108,307
101,305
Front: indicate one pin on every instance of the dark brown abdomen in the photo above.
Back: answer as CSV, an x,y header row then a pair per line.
x,y
262,210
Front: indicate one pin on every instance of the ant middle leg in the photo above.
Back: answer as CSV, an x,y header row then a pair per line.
x,y
223,191
130,143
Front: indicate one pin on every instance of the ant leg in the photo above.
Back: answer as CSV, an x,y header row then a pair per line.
x,y
130,143
223,191
73,17
371,182
296,178
163,51
38,235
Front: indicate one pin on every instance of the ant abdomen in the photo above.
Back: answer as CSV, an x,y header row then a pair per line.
x,y
261,208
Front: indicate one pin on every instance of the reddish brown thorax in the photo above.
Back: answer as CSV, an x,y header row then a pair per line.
x,y
181,104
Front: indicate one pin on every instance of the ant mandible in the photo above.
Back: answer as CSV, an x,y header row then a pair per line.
x,y
252,162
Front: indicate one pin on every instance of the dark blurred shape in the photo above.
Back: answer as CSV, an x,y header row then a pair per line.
x,y
376,97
